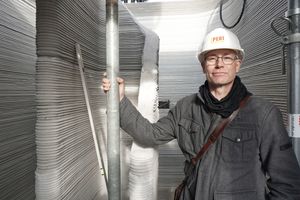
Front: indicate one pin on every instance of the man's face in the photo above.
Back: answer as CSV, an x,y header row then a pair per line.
x,y
220,67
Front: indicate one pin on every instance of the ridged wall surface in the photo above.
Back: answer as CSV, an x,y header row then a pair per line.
x,y
261,70
67,166
17,99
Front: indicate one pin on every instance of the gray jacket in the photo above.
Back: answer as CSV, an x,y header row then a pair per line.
x,y
252,160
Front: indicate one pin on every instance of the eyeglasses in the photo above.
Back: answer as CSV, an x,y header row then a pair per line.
x,y
227,60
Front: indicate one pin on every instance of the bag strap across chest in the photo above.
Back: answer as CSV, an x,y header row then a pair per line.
x,y
218,131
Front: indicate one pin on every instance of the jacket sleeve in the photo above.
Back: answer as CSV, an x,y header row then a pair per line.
x,y
144,132
278,158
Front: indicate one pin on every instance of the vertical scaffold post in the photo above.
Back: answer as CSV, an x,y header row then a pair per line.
x,y
113,124
293,54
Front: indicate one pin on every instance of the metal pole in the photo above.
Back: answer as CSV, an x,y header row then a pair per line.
x,y
293,54
87,101
113,124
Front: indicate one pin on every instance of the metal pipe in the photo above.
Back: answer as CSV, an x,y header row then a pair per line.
x,y
293,54
113,123
91,119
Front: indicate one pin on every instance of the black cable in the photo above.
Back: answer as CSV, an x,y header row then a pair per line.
x,y
239,19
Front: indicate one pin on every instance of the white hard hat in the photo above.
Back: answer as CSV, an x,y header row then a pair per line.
x,y
220,38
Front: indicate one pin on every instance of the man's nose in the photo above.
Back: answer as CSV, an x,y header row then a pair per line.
x,y
219,62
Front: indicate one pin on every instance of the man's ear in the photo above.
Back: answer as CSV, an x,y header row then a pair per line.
x,y
203,67
238,65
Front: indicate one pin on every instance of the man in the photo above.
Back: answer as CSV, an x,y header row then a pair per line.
x,y
253,159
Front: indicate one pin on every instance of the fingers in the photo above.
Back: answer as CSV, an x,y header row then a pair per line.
x,y
121,87
120,80
105,85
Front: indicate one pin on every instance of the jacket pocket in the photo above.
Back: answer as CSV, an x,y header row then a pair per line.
x,y
237,195
238,145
